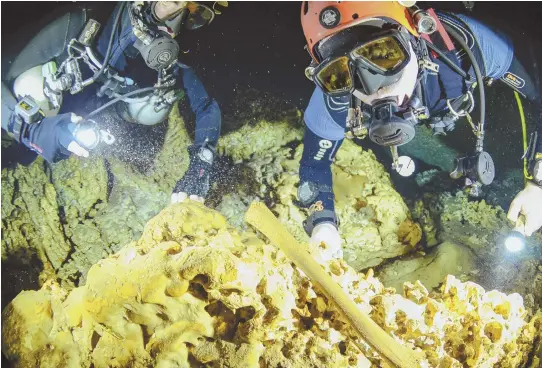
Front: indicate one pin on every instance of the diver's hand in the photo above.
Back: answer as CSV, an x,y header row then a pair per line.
x,y
529,203
326,237
196,182
53,138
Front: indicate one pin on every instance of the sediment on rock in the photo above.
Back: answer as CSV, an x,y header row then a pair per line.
x,y
192,290
375,222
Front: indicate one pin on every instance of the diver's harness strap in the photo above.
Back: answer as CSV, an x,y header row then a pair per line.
x,y
458,107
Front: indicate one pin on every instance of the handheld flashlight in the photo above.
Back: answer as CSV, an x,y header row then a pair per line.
x,y
515,241
88,135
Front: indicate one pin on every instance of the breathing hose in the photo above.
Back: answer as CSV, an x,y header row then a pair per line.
x,y
122,98
479,79
450,63
523,134
110,45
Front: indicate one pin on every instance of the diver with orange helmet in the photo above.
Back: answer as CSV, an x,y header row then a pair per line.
x,y
380,69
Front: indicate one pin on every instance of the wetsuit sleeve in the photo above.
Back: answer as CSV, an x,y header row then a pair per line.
x,y
539,127
315,168
496,47
206,109
325,120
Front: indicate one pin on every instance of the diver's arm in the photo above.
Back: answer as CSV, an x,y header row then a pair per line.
x,y
195,183
315,185
324,134
206,109
122,40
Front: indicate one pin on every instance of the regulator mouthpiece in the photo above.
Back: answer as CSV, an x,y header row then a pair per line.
x,y
515,241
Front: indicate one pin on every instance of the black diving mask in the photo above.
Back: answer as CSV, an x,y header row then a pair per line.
x,y
174,15
371,64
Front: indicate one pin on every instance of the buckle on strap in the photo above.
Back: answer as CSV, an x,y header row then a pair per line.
x,y
429,65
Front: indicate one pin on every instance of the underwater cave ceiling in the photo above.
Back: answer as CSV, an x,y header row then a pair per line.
x,y
92,232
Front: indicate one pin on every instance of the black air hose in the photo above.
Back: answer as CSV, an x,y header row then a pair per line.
x,y
479,78
110,45
450,63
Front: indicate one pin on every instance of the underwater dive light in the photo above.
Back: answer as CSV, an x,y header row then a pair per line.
x,y
515,241
88,135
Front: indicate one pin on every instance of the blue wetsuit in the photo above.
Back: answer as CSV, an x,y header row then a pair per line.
x,y
325,117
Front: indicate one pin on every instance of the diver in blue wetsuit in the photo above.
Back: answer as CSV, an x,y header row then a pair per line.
x,y
380,69
38,111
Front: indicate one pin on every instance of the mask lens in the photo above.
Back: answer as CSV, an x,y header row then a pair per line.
x,y
199,15
384,53
165,10
336,76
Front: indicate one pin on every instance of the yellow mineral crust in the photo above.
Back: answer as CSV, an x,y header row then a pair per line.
x,y
193,291
375,222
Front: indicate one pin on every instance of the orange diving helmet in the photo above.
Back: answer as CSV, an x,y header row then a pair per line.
x,y
321,19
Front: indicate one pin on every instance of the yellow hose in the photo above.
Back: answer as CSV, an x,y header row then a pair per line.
x,y
524,134
259,216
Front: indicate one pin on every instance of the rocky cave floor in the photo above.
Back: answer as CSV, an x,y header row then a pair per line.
x,y
58,221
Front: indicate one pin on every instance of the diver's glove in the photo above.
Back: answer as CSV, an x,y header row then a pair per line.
x,y
529,203
196,182
52,138
326,238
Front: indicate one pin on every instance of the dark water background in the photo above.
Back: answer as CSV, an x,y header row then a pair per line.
x,y
261,45
258,43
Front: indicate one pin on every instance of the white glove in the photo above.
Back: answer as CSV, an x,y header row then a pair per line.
x,y
529,203
326,237
182,196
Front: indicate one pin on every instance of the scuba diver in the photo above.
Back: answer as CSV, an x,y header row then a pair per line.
x,y
380,69
38,112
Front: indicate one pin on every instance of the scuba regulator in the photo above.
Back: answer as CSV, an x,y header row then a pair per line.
x,y
155,43
390,125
